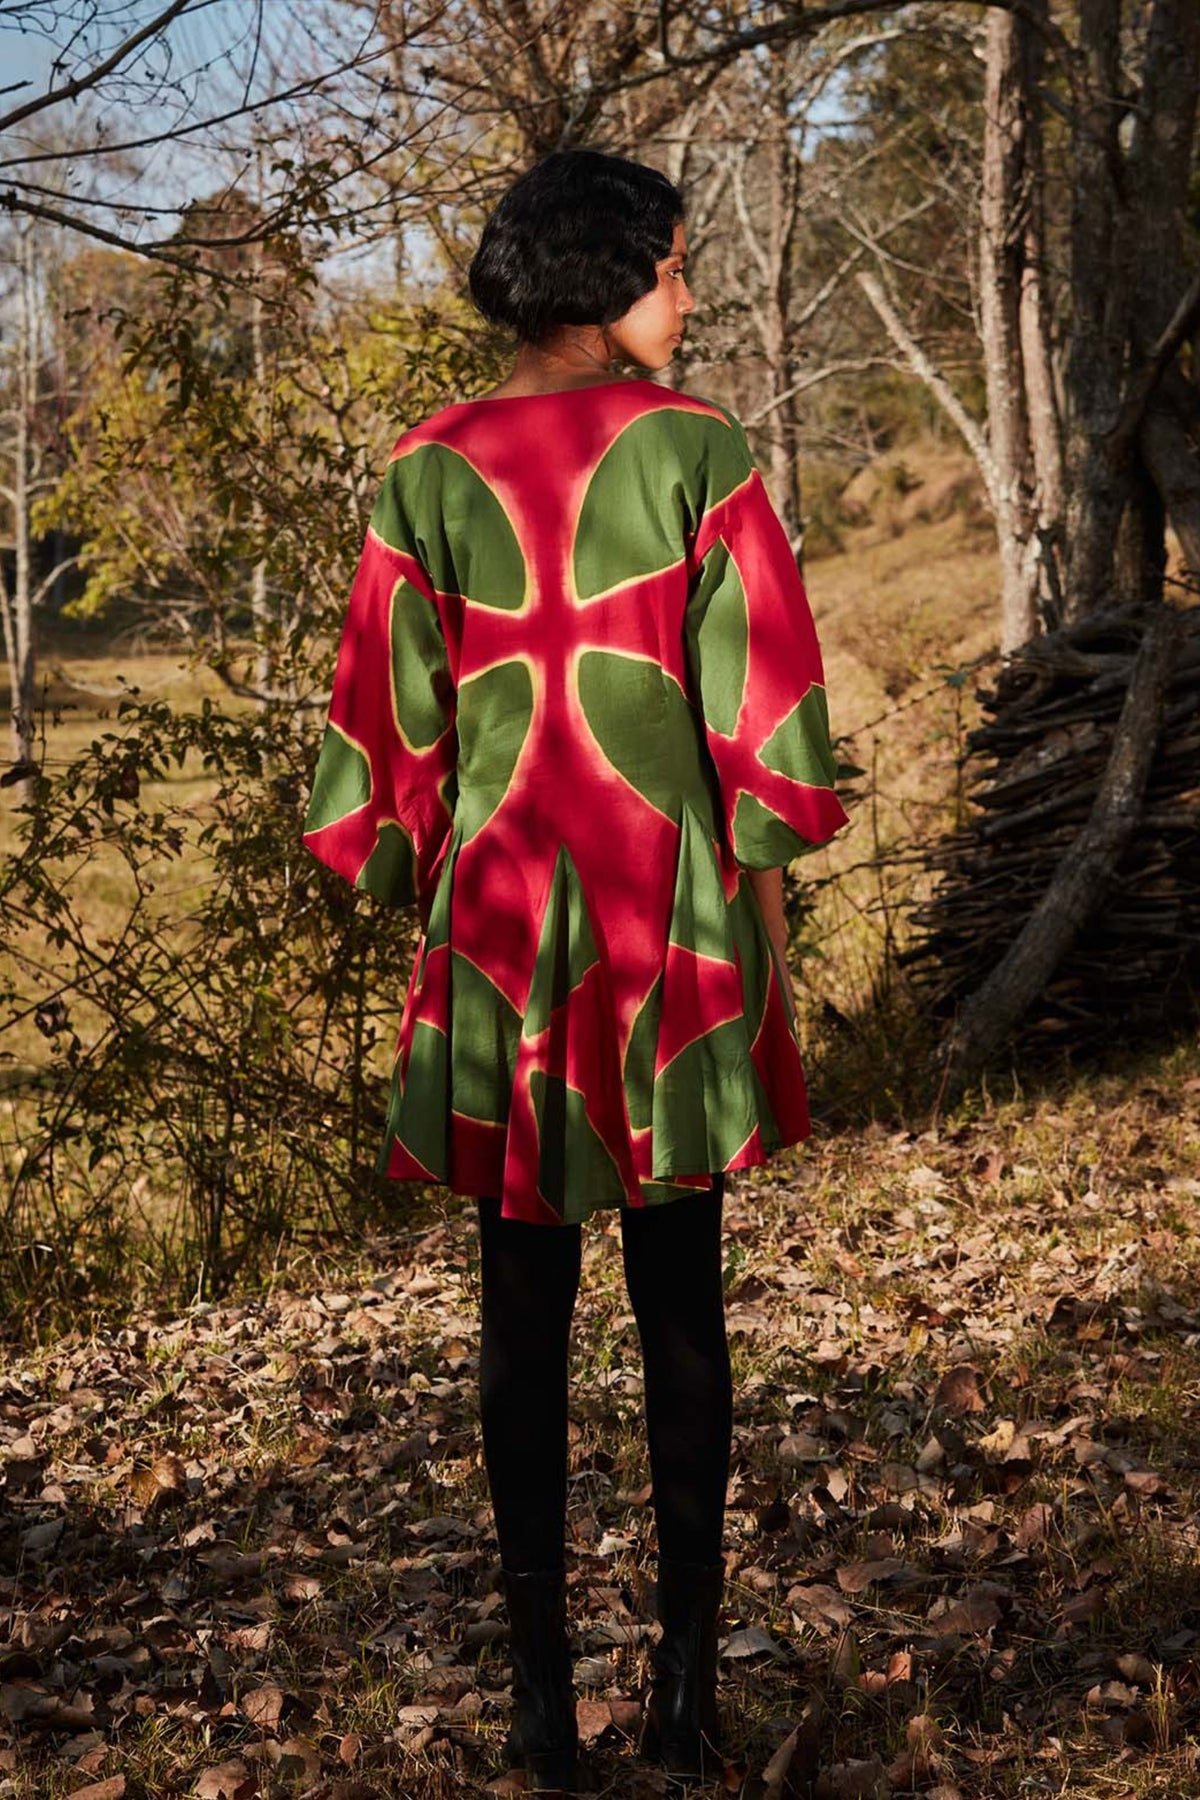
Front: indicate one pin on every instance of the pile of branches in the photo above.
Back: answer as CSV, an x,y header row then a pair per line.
x,y
1034,769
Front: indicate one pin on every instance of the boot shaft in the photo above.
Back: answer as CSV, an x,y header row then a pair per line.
x,y
682,1727
544,1735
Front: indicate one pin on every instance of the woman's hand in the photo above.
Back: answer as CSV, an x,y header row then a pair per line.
x,y
768,891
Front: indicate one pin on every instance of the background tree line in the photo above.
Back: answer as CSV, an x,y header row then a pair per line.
x,y
235,271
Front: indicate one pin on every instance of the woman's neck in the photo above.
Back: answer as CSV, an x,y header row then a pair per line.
x,y
579,356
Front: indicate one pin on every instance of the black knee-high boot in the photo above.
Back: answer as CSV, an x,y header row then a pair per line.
x,y
544,1735
529,1275
673,1273
681,1728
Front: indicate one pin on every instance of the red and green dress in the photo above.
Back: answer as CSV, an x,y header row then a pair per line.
x,y
578,694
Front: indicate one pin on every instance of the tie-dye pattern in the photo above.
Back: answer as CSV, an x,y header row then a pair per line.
x,y
578,692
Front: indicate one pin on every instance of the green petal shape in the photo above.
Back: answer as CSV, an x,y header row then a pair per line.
x,y
705,1102
495,709
640,1055
437,932
419,1113
421,686
800,747
485,1034
341,783
592,1179
566,948
699,913
759,970
717,631
455,506
754,954
646,479
646,727
390,872
761,840
419,1108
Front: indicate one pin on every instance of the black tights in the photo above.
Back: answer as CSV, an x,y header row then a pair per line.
x,y
529,1277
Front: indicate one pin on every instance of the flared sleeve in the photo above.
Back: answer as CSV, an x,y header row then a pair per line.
x,y
383,794
755,666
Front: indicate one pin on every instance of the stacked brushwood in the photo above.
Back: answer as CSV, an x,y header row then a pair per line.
x,y
1033,770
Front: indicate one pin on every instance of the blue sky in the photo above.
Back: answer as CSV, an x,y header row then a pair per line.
x,y
210,59
23,57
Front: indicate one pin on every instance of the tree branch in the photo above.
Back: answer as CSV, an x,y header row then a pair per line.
x,y
933,378
853,367
12,202
1147,378
246,691
82,83
806,21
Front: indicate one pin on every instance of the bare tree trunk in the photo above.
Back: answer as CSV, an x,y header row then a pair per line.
x,y
1130,460
260,610
1160,166
784,166
1000,257
1041,396
1141,559
1172,461
18,605
1099,314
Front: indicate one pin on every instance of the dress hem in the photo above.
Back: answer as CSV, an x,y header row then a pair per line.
x,y
756,1158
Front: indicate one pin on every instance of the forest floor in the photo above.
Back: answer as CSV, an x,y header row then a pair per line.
x,y
247,1550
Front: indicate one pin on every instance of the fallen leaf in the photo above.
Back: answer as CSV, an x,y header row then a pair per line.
x,y
845,1665
923,1732
972,1616
801,1447
227,1781
596,1716
854,1578
263,1706
999,1441
1084,1606
415,1718
1035,1523
170,1473
295,1759
1138,1669
794,1763
1144,1481
958,1390
1110,1693
753,1641
820,1603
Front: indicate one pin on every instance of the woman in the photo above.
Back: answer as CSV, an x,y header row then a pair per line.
x,y
578,719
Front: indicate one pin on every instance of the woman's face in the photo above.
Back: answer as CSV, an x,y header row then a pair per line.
x,y
652,330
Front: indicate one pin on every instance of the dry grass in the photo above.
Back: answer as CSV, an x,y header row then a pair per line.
x,y
967,1429
907,616
80,691
962,1507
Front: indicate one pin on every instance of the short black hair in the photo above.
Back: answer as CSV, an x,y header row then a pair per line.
x,y
574,241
